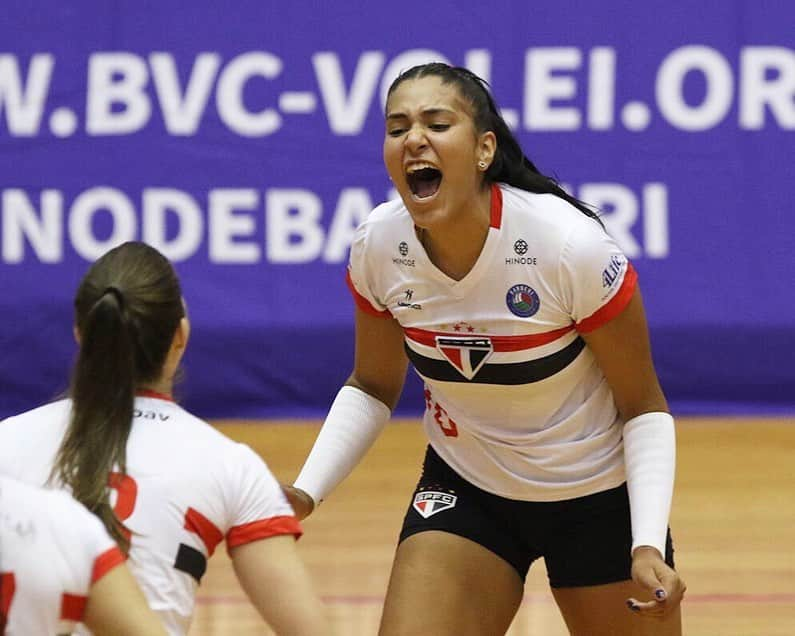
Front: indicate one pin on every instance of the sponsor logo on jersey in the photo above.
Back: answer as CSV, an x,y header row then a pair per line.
x,y
466,354
406,302
150,415
613,269
429,502
521,247
521,260
403,248
522,300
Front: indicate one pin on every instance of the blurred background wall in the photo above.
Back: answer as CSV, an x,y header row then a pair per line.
x,y
243,139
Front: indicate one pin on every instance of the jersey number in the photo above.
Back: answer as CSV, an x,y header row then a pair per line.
x,y
188,559
126,494
440,416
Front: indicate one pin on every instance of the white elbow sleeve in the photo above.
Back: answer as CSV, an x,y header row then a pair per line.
x,y
354,421
650,459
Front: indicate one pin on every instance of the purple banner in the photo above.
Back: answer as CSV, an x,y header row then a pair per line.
x,y
244,141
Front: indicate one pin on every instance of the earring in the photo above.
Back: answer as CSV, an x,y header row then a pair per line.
x,y
482,165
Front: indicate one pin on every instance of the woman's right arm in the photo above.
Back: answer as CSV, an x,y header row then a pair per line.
x,y
273,576
380,362
359,412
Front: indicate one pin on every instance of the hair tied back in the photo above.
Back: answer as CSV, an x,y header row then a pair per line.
x,y
117,293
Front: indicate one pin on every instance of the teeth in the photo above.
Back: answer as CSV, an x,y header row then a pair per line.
x,y
419,166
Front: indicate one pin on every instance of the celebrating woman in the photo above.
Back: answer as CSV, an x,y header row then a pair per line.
x,y
549,433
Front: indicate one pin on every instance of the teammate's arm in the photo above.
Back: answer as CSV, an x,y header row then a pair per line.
x,y
117,607
359,412
274,578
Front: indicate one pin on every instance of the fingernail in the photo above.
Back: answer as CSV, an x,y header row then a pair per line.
x,y
660,594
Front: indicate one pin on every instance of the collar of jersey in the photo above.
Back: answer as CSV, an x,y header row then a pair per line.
x,y
154,394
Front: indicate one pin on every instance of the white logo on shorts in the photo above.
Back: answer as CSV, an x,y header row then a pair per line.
x,y
429,502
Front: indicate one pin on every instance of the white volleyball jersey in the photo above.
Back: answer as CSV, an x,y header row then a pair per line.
x,y
187,488
515,402
51,551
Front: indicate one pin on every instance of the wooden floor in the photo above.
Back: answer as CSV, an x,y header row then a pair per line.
x,y
733,521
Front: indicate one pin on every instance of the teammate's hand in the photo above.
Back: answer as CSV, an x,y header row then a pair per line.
x,y
652,573
302,503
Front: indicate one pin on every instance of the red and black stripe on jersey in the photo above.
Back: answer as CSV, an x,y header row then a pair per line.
x,y
511,373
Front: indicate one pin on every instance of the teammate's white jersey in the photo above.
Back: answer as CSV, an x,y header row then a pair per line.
x,y
51,551
187,488
515,402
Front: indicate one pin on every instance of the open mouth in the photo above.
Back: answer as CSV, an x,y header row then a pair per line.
x,y
424,182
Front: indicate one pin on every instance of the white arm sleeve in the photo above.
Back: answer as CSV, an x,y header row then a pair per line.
x,y
650,459
353,422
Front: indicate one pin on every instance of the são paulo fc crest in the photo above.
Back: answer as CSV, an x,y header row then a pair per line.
x,y
522,300
467,354
429,502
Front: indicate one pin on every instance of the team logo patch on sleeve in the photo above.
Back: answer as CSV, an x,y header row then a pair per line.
x,y
429,502
467,354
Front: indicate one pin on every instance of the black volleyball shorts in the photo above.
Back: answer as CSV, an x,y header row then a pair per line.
x,y
584,541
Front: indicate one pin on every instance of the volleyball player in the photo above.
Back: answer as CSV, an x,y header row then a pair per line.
x,y
60,567
168,487
549,434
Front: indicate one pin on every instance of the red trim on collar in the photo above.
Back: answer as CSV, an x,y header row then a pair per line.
x,y
496,206
154,394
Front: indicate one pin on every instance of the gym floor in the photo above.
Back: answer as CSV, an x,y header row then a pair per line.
x,y
733,521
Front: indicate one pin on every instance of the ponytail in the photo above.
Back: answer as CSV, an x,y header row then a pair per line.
x,y
103,390
511,166
127,309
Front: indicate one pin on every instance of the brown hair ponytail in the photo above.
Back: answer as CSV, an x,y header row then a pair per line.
x,y
127,309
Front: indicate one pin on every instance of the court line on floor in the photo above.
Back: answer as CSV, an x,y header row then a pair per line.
x,y
364,599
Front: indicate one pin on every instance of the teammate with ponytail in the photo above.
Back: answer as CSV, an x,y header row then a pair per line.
x,y
179,486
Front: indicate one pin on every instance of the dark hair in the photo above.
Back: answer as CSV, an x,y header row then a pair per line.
x,y
127,309
510,165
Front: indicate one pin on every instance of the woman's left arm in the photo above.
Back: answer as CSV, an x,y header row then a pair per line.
x,y
622,349
623,352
